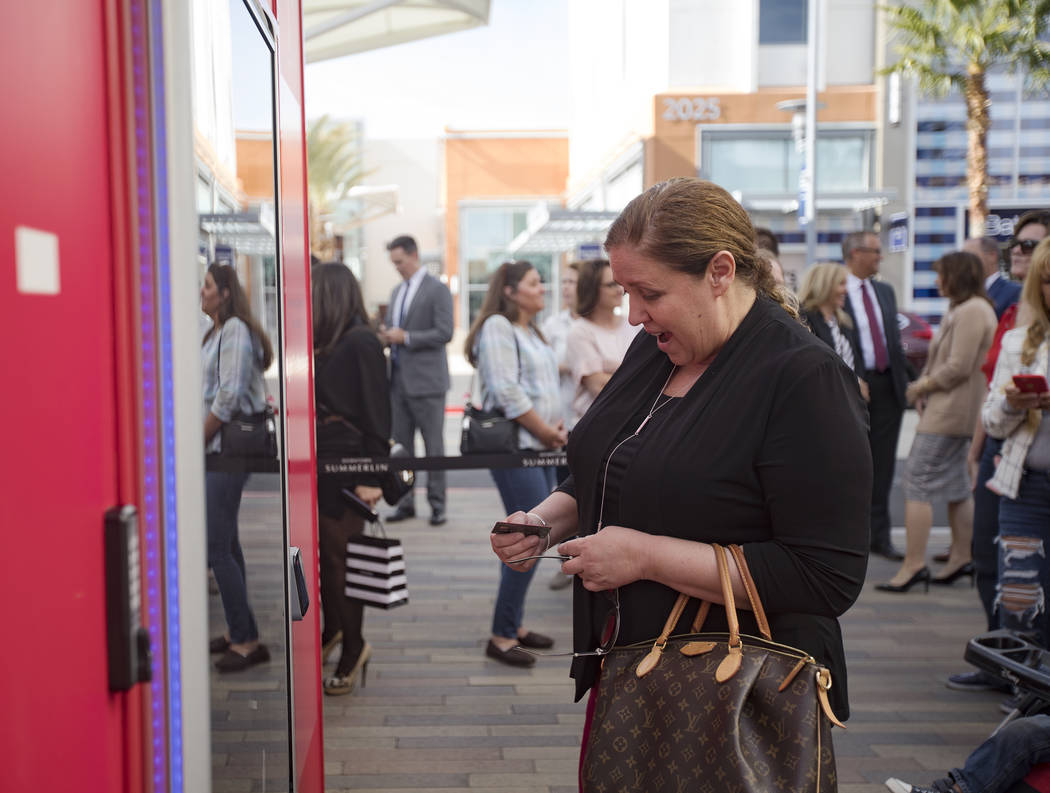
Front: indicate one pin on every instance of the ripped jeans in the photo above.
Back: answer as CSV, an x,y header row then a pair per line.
x,y
1024,571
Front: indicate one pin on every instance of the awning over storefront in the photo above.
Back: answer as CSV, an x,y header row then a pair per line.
x,y
560,230
252,232
828,202
333,28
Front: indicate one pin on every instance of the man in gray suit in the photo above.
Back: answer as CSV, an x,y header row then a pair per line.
x,y
418,326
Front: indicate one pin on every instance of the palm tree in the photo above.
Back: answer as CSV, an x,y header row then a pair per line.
x,y
951,44
334,165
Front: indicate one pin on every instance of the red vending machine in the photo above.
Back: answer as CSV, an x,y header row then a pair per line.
x,y
145,140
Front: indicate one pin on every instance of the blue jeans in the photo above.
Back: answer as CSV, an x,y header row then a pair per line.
x,y
520,489
985,531
1005,758
223,500
1024,575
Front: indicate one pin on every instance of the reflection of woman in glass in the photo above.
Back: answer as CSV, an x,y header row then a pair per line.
x,y
353,408
236,352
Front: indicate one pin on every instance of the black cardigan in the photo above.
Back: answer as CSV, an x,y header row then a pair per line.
x,y
769,450
351,382
820,329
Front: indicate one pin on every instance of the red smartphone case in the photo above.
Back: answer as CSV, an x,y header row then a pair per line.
x,y
1030,383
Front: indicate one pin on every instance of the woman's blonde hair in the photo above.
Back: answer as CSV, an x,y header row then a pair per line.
x,y
1032,294
684,222
817,285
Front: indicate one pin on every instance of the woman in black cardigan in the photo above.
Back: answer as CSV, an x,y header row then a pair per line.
x,y
727,422
353,413
822,297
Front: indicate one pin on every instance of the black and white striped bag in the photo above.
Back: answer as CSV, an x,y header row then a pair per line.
x,y
375,571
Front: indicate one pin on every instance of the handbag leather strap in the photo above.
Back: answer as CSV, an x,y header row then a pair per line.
x,y
749,587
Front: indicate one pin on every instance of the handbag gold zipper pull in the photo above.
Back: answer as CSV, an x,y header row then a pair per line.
x,y
792,674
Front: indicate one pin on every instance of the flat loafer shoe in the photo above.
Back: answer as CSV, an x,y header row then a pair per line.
x,y
233,661
536,641
512,657
219,644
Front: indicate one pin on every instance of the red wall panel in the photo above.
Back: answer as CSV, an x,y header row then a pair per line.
x,y
302,488
59,470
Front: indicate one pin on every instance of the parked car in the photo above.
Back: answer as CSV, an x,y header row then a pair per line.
x,y
915,338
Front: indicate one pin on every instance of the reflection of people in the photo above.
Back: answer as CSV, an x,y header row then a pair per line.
x,y
519,375
353,409
822,297
235,352
1022,476
723,421
872,306
418,326
599,339
948,396
1002,761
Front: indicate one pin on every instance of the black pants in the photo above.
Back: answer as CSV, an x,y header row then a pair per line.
x,y
885,417
986,531
339,612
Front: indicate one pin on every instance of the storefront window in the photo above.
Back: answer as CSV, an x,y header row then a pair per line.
x,y
768,162
782,22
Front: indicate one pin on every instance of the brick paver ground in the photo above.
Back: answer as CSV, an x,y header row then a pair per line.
x,y
437,715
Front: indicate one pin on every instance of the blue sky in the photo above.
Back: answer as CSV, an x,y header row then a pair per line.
x,y
510,74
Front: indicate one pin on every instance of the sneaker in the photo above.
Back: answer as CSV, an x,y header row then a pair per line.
x,y
977,681
899,786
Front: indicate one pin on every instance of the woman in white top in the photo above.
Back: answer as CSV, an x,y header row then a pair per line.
x,y
599,339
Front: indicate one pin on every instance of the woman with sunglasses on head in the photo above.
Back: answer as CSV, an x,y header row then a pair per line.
x,y
235,351
724,422
599,339
353,414
1017,410
518,375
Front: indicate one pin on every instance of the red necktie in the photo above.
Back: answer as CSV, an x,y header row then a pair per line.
x,y
882,360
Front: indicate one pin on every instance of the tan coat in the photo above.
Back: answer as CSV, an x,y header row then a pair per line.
x,y
952,381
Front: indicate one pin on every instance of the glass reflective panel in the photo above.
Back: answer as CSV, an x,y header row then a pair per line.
x,y
235,164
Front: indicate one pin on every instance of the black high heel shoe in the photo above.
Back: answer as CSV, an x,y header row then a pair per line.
x,y
922,576
958,572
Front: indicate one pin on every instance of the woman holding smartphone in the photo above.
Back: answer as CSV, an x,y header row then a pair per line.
x,y
353,416
519,375
1018,410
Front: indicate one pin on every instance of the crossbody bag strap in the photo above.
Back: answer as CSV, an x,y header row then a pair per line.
x,y
476,378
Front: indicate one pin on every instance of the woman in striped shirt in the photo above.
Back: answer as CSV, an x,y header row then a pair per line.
x,y
822,297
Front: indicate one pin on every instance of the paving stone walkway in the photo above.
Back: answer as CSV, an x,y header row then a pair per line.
x,y
436,714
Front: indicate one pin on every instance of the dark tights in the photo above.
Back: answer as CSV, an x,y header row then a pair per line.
x,y
340,613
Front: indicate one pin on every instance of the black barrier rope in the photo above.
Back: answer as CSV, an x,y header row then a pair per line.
x,y
356,465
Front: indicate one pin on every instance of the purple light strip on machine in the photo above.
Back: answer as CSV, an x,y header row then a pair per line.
x,y
173,676
151,491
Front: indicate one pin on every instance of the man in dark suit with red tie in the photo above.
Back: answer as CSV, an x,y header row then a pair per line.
x,y
872,306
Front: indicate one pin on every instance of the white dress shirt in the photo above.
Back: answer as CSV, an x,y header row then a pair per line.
x,y
867,346
403,301
991,279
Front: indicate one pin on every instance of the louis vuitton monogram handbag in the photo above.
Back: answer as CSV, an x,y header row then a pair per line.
x,y
711,712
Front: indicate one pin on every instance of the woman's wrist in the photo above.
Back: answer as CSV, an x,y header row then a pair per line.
x,y
543,522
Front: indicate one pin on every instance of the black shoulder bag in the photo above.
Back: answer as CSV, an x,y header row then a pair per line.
x,y
251,435
489,431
